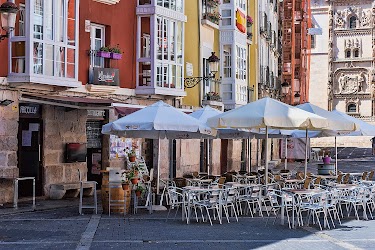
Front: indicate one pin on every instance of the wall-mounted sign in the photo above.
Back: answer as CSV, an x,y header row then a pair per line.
x,y
87,26
106,76
189,69
95,114
29,110
315,31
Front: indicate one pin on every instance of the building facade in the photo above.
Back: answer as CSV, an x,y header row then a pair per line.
x,y
347,47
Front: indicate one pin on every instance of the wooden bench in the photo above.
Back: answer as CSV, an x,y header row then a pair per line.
x,y
60,190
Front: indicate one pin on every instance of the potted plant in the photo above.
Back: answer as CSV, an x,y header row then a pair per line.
x,y
212,3
249,21
139,191
104,52
116,52
132,177
125,184
132,155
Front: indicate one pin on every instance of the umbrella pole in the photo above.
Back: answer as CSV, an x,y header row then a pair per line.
x,y
208,157
286,153
249,154
306,146
335,155
266,172
158,176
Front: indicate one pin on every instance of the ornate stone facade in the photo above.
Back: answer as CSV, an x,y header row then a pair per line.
x,y
349,25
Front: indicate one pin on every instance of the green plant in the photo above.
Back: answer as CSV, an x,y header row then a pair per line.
x,y
105,49
115,49
140,189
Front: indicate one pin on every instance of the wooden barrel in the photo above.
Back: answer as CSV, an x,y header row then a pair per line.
x,y
117,193
324,169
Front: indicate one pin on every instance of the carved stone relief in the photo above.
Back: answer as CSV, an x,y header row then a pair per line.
x,y
341,17
351,82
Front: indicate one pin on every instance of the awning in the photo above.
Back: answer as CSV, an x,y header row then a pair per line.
x,y
69,101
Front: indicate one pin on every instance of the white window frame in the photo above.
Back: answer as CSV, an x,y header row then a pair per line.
x,y
93,48
241,67
225,18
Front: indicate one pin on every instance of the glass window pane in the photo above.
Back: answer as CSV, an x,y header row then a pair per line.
x,y
18,57
179,77
49,19
60,20
70,67
172,40
60,61
71,22
48,67
20,22
179,42
38,58
38,19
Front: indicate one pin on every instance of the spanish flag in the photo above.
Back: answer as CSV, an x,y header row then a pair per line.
x,y
241,21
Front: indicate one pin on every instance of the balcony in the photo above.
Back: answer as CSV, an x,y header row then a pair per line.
x,y
210,13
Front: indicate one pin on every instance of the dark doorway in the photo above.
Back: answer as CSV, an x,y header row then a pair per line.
x,y
173,152
29,155
224,156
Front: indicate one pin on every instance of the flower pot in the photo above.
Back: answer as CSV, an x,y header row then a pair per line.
x,y
116,56
327,160
103,54
138,193
134,181
132,158
125,186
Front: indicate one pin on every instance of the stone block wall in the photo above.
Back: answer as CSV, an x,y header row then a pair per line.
x,y
234,155
61,127
190,157
8,145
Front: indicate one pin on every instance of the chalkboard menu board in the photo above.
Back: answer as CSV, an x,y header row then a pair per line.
x,y
93,133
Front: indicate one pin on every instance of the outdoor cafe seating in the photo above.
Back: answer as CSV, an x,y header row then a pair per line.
x,y
321,200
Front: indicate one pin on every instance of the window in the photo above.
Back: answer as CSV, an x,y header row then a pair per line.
x,y
353,22
227,63
347,53
97,41
176,5
241,63
169,73
356,53
226,19
146,48
241,4
352,108
21,22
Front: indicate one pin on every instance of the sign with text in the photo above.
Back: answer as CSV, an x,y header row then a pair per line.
x,y
29,110
106,76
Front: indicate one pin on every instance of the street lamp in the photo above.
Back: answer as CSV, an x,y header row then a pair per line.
x,y
285,88
213,66
297,98
8,12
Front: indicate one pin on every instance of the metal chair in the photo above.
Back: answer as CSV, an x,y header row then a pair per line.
x,y
81,205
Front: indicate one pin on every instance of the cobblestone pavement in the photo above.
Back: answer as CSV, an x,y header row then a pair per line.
x,y
63,228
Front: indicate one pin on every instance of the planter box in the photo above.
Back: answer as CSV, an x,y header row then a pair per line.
x,y
116,56
103,54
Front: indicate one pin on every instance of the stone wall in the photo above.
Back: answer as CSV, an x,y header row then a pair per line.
x,y
234,155
190,157
342,141
61,127
216,153
8,145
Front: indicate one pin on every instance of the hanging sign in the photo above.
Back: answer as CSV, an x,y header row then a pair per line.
x,y
106,76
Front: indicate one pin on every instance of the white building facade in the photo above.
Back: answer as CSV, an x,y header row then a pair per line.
x,y
268,41
342,58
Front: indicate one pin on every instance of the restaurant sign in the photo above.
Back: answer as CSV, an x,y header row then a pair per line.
x,y
106,76
29,110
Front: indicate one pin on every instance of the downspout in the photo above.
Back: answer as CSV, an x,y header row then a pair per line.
x,y
200,59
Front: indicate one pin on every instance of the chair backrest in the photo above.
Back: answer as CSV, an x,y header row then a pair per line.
x,y
331,172
308,174
371,175
364,175
306,184
300,175
339,178
318,180
346,178
195,174
221,181
79,175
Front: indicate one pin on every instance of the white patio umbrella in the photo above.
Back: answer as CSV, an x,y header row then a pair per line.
x,y
158,121
362,128
268,113
337,126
